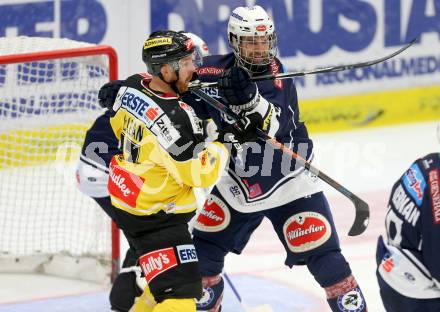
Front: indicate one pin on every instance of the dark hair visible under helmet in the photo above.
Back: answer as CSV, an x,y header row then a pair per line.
x,y
165,47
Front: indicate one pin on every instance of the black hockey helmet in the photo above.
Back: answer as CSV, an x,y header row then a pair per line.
x,y
165,47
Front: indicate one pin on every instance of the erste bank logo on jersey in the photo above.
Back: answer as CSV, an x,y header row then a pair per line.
x,y
149,112
187,253
141,106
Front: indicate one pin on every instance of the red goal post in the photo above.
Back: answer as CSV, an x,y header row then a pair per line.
x,y
48,99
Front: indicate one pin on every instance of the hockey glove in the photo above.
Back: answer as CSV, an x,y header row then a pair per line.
x,y
268,112
107,94
243,130
235,86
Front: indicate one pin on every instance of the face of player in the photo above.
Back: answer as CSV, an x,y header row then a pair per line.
x,y
255,49
187,68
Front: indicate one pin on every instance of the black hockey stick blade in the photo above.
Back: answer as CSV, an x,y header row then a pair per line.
x,y
362,211
361,219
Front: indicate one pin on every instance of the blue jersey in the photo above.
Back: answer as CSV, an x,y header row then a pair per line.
x,y
413,218
270,170
100,145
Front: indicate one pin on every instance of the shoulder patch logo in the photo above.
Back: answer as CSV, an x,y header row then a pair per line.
x,y
415,183
196,123
306,231
275,69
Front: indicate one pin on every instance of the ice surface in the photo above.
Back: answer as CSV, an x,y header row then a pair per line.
x,y
367,162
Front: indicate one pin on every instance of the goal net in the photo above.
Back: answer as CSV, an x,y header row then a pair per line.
x,y
48,99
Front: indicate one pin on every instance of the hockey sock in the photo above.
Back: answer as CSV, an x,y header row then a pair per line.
x,y
212,294
346,296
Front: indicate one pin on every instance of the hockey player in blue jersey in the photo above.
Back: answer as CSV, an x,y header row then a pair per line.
x,y
408,258
261,182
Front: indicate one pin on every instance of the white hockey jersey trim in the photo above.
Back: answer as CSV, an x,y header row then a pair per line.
x,y
408,276
92,178
303,184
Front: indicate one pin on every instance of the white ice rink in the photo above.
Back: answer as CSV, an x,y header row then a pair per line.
x,y
367,162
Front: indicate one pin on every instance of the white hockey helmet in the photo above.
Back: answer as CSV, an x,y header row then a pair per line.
x,y
251,34
198,43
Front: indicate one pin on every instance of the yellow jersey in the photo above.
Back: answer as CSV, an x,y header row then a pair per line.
x,y
164,153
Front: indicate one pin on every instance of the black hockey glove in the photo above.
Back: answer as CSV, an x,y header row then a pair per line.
x,y
236,87
107,93
243,130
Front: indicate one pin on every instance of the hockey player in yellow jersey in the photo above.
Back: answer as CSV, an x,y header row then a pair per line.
x,y
164,157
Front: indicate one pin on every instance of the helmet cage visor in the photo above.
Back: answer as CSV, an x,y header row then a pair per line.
x,y
255,52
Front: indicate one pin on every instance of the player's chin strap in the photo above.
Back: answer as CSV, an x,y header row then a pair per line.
x,y
362,210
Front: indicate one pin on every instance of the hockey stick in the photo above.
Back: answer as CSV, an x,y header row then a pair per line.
x,y
246,308
362,211
197,85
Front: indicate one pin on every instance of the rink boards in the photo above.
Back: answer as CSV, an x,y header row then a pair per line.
x,y
373,109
